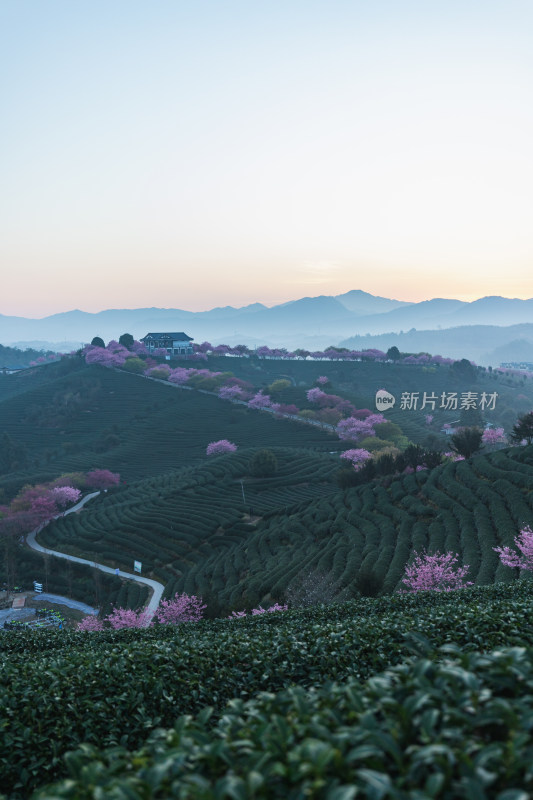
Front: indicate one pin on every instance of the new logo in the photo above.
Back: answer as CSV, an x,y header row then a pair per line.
x,y
384,400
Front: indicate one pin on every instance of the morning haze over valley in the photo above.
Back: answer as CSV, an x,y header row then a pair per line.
x,y
266,400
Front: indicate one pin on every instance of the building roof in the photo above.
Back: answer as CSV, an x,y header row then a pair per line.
x,y
179,337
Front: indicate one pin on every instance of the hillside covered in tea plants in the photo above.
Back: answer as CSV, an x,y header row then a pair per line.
x,y
448,711
428,698
198,533
213,527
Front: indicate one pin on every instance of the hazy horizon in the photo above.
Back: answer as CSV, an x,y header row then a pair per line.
x,y
251,302
196,155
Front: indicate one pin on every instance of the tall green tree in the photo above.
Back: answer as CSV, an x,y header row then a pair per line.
x,y
263,464
126,340
13,455
467,441
523,428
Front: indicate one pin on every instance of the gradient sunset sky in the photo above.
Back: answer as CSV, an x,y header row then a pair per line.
x,y
213,152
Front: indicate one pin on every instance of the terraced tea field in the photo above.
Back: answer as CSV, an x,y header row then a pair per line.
x,y
177,520
95,417
467,507
193,531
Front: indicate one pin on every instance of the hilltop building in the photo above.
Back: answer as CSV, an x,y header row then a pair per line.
x,y
176,344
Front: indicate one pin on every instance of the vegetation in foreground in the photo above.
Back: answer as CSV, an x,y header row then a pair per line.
x,y
63,689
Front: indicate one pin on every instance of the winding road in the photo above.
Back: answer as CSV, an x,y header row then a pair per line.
x,y
156,587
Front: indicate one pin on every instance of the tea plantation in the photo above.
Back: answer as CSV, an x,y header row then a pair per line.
x,y
176,521
404,696
96,417
192,529
444,722
467,507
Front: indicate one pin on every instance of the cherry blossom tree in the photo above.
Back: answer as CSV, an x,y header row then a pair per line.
x,y
181,608
523,559
43,509
315,395
356,456
493,436
231,393
90,623
65,495
260,400
139,348
435,572
257,611
261,610
128,618
220,447
180,375
288,408
352,429
102,479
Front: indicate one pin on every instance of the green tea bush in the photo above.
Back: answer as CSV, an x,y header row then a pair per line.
x,y
61,689
456,727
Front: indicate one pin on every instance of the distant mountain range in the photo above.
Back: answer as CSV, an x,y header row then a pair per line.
x,y
310,322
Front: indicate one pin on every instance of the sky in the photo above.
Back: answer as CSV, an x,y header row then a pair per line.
x,y
217,152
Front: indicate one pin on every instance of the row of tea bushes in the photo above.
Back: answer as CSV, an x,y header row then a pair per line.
x,y
61,689
145,428
453,507
177,521
457,727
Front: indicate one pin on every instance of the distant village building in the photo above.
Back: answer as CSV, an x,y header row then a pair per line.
x,y
176,344
11,370
525,366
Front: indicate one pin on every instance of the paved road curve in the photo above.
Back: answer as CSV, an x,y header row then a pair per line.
x,y
156,587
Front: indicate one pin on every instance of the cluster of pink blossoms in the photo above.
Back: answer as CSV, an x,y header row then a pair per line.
x,y
181,608
524,543
356,456
256,611
435,573
220,447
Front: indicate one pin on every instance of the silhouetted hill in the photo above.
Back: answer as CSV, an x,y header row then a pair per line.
x,y
363,303
487,345
310,322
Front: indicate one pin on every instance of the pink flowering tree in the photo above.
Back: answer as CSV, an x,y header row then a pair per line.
x,y
139,348
180,375
261,610
257,611
181,608
356,456
43,509
352,429
65,496
436,573
102,479
453,456
322,380
260,400
524,558
220,447
493,436
128,618
90,623
315,395
231,393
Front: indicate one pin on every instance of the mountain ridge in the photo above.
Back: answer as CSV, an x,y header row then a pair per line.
x,y
311,322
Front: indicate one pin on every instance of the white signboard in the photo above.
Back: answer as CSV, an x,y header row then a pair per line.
x,y
137,566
